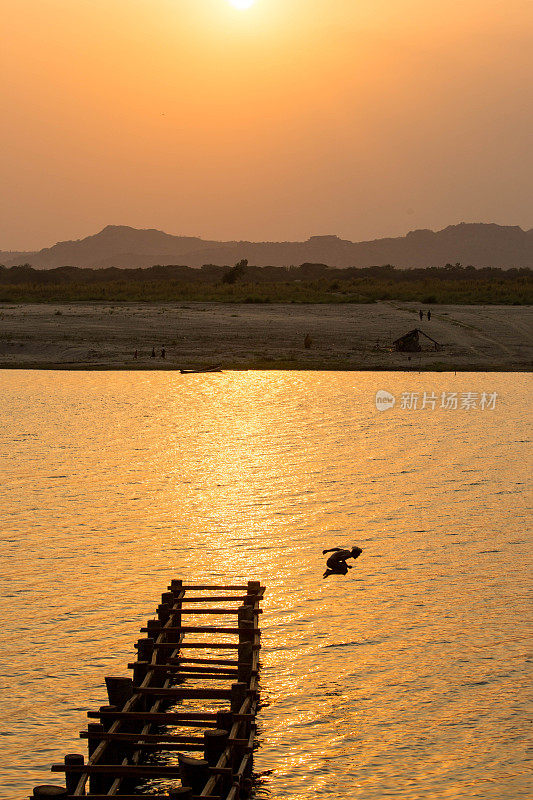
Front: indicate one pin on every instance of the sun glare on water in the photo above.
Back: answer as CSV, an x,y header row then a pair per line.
x,y
242,4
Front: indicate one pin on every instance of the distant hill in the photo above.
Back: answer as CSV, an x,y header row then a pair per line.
x,y
478,244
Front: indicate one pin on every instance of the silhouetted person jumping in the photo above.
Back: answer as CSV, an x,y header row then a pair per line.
x,y
336,564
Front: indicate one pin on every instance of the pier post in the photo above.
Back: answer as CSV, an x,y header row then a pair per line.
x,y
107,721
103,782
194,772
167,598
165,607
214,744
163,612
96,784
174,606
145,649
247,631
47,791
238,696
245,656
72,778
92,743
224,720
154,628
245,613
140,669
119,690
163,615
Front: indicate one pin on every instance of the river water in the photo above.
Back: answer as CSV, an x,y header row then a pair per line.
x,y
407,678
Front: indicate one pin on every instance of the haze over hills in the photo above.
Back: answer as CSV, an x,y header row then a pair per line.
x,y
478,244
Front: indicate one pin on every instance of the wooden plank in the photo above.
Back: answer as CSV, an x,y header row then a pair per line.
x,y
184,660
159,746
202,646
221,611
132,771
174,670
194,629
216,599
186,694
224,672
159,717
199,645
206,675
215,587
217,611
137,737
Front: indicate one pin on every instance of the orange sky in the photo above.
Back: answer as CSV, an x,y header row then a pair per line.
x,y
297,117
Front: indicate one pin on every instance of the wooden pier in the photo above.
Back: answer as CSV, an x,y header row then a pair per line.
x,y
194,692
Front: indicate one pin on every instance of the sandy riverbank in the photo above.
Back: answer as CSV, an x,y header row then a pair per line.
x,y
105,336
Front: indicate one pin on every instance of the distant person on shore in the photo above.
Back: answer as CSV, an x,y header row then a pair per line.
x,y
421,315
336,564
136,354
429,314
163,353
307,341
153,353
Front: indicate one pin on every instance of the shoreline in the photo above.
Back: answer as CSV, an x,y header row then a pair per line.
x,y
356,338
281,367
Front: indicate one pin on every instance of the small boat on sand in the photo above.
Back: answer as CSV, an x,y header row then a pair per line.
x,y
216,368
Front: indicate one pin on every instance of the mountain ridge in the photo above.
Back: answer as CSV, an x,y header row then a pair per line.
x,y
479,244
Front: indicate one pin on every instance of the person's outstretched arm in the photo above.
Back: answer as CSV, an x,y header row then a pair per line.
x,y
331,550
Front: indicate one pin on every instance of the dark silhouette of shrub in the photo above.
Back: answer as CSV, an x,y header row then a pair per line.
x,y
236,272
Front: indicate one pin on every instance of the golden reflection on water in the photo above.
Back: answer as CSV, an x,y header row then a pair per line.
x,y
405,679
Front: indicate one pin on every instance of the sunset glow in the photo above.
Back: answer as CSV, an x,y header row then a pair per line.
x,y
263,119
242,5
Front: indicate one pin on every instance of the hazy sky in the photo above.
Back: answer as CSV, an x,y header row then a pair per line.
x,y
362,118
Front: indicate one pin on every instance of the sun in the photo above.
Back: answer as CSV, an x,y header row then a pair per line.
x,y
242,5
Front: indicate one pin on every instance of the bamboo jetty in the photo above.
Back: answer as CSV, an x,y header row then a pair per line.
x,y
153,712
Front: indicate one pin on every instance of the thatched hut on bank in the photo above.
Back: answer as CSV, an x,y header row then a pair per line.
x,y
410,342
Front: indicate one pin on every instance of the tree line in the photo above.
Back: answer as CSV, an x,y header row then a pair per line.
x,y
242,271
244,283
